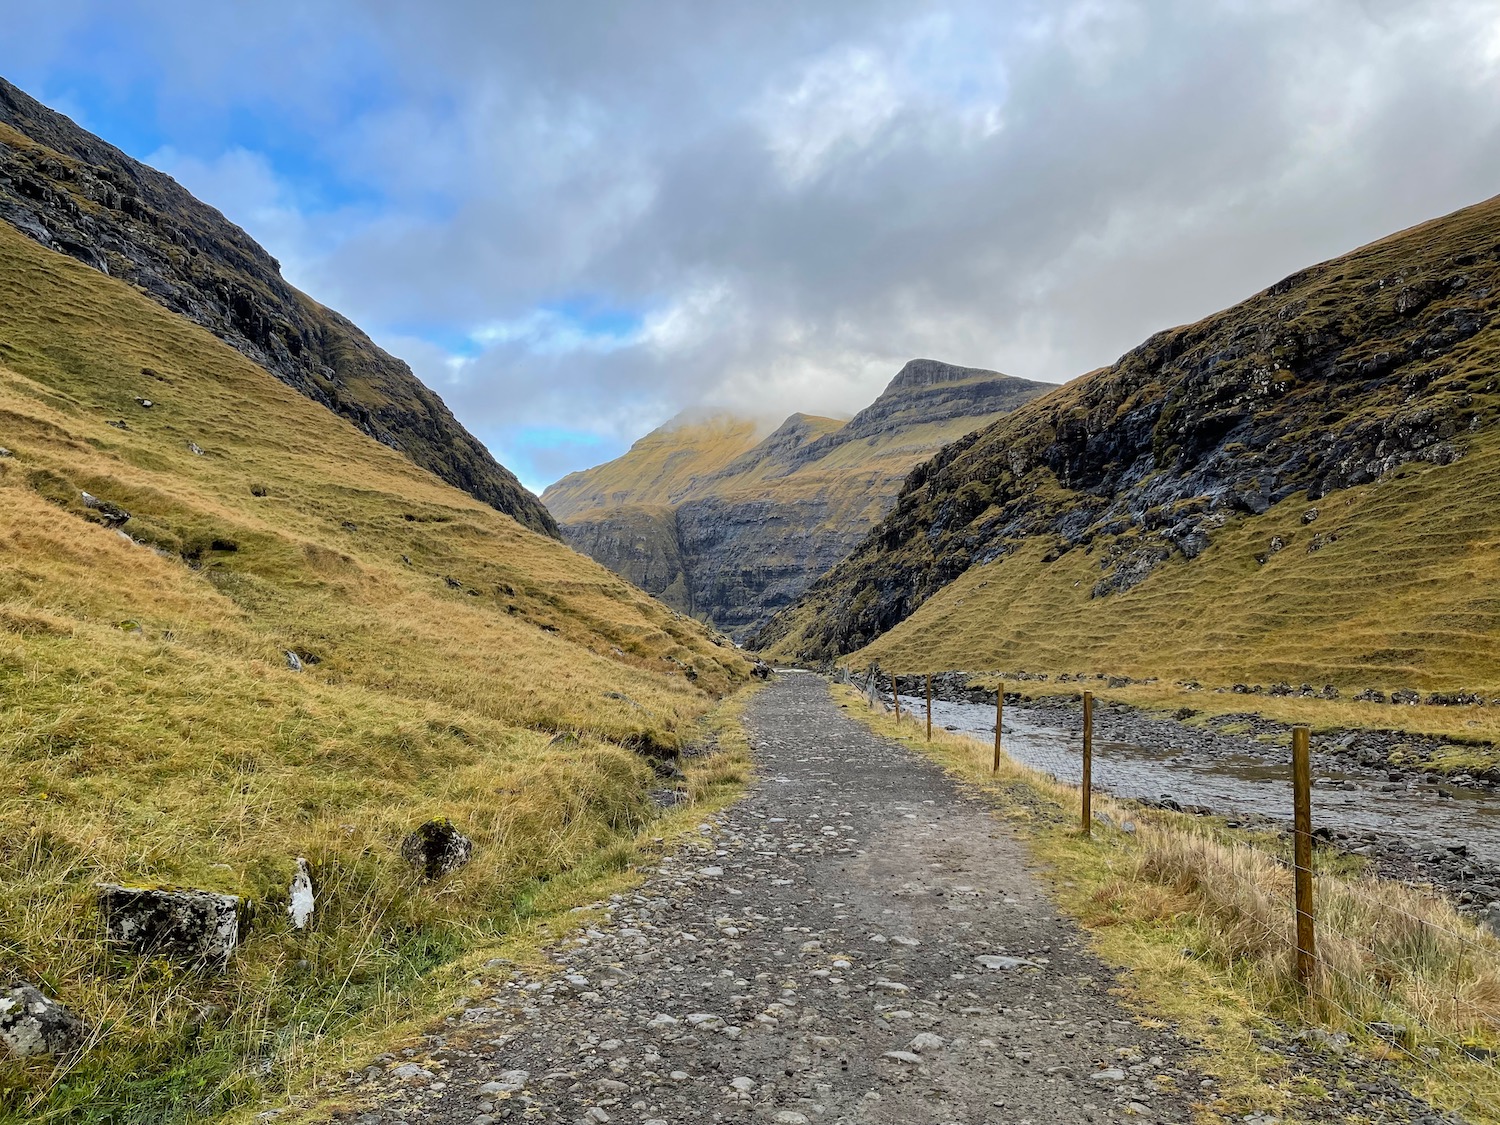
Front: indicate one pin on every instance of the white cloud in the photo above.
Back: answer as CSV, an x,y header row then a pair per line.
x,y
837,109
799,196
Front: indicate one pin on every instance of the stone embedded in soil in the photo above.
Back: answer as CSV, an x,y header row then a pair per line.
x,y
110,513
188,924
998,962
437,849
31,1023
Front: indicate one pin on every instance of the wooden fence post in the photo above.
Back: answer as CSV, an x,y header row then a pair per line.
x,y
929,706
896,697
1088,763
1302,854
999,715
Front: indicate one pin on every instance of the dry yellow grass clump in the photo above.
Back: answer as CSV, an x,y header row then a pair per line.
x,y
1201,917
151,730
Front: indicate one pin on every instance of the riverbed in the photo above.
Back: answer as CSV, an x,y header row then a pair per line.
x,y
1237,778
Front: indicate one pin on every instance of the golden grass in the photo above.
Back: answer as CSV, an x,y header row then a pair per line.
x,y
545,913
658,468
151,731
853,483
1387,952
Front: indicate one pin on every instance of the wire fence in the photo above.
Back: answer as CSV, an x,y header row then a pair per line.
x,y
1393,963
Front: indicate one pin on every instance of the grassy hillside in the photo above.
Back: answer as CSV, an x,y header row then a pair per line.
x,y
72,192
1299,488
659,469
729,524
1401,590
151,731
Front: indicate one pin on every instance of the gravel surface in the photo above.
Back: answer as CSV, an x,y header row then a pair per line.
x,y
856,940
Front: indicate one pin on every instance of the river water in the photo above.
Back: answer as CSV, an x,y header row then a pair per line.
x,y
1235,782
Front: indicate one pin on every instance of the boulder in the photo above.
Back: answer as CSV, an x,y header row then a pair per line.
x,y
437,848
33,1024
760,670
189,924
111,514
1489,921
293,661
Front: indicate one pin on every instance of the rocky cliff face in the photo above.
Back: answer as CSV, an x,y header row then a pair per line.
x,y
72,192
1332,378
725,524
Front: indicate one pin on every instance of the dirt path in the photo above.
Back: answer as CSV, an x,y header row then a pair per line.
x,y
818,956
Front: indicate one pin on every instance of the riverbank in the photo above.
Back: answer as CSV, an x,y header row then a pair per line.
x,y
1411,826
1454,736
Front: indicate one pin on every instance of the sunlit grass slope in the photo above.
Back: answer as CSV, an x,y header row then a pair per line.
x,y
151,731
1395,584
658,469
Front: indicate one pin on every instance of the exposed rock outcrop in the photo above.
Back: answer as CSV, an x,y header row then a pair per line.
x,y
726,524
69,190
437,849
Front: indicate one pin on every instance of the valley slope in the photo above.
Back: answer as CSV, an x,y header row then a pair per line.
x,y
158,564
1304,487
727,523
68,190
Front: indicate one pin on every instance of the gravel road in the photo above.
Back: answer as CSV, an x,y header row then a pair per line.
x,y
856,941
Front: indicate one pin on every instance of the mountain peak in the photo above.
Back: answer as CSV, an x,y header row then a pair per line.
x,y
927,390
730,524
930,372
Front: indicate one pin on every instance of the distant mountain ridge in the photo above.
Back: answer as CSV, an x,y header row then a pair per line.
x,y
723,521
72,192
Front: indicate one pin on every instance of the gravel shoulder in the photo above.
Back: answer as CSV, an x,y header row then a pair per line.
x,y
858,940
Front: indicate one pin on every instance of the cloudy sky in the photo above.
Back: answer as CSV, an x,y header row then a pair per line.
x,y
576,218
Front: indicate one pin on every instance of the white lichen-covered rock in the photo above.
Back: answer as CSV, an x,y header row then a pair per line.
x,y
33,1024
189,924
437,848
300,905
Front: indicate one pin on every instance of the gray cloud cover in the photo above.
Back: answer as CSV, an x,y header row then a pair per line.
x,y
582,217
